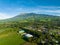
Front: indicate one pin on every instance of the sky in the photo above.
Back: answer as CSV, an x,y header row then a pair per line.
x,y
11,8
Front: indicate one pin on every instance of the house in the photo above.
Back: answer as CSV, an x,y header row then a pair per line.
x,y
39,30
42,41
58,32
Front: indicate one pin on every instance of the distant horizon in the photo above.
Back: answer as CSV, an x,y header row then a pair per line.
x,y
11,8
24,14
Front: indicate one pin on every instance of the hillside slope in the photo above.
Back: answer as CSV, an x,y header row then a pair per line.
x,y
31,16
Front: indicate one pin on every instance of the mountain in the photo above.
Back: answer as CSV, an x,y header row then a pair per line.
x,y
30,16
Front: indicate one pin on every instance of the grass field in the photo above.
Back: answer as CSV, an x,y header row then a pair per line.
x,y
10,38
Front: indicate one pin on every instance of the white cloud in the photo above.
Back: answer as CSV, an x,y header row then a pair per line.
x,y
54,11
4,16
49,7
10,12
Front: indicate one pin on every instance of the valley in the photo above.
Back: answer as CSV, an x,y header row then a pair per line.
x,y
44,28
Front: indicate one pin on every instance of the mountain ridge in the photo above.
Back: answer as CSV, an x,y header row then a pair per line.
x,y
25,16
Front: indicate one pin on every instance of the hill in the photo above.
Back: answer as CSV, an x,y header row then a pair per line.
x,y
31,16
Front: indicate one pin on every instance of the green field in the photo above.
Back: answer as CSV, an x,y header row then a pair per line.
x,y
10,38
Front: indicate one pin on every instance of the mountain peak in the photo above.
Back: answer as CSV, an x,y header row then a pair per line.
x,y
26,13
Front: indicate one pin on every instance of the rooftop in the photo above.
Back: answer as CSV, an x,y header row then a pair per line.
x,y
29,35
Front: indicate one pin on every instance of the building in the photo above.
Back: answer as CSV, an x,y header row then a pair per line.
x,y
28,35
21,31
24,34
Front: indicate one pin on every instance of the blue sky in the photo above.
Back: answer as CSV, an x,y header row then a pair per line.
x,y
10,8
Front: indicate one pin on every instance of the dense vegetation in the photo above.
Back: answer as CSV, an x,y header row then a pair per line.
x,y
44,28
